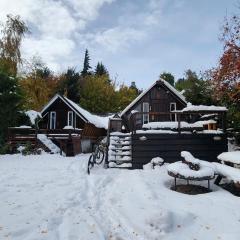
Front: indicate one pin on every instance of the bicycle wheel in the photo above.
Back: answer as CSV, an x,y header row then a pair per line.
x,y
100,156
90,164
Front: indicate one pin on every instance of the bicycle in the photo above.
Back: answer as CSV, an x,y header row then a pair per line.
x,y
97,156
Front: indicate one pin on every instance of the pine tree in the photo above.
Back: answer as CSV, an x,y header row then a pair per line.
x,y
196,90
167,77
70,85
10,103
134,88
100,69
86,64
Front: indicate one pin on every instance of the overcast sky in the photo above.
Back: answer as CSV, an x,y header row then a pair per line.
x,y
135,39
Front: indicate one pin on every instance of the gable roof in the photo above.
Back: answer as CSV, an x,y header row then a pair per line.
x,y
166,84
97,121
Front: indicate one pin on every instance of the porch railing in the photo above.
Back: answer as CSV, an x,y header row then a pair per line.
x,y
30,134
136,118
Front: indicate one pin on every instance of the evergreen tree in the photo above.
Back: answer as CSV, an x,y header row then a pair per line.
x,y
196,90
134,88
86,64
10,103
101,69
167,77
70,85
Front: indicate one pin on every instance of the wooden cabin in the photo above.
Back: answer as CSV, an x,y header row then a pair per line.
x,y
160,123
68,125
161,97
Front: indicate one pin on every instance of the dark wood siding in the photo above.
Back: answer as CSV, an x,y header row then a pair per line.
x,y
61,110
169,147
91,131
159,99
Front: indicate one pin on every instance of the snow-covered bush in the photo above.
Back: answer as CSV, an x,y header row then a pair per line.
x,y
4,149
29,149
155,162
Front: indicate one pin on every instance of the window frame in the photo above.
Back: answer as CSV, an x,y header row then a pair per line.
x,y
72,118
145,117
173,117
53,120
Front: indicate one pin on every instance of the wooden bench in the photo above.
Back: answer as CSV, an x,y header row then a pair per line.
x,y
229,172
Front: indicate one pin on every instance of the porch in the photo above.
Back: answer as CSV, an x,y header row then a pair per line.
x,y
68,140
203,133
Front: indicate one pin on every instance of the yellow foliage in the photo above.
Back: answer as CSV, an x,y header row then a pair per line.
x,y
38,90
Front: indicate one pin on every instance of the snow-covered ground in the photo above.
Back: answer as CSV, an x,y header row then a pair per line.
x,y
51,197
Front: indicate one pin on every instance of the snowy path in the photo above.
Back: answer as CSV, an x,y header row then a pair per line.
x,y
51,197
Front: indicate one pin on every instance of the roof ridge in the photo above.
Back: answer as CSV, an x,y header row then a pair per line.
x,y
167,84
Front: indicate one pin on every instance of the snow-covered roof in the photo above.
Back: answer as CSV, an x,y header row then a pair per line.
x,y
33,115
168,85
195,108
174,90
98,121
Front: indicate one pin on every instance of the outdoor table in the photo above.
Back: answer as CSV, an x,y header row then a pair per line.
x,y
192,174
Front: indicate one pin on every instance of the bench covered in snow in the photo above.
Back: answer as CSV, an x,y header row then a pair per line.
x,y
227,169
191,169
228,172
230,157
205,170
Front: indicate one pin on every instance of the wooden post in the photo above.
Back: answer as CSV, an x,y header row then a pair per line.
x,y
36,133
179,123
224,121
218,180
107,146
133,122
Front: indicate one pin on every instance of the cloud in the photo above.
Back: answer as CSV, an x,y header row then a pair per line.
x,y
87,9
169,34
53,24
133,26
116,38
50,49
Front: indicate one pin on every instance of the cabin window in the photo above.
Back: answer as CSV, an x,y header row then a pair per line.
x,y
52,120
70,118
145,115
173,107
